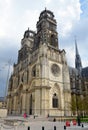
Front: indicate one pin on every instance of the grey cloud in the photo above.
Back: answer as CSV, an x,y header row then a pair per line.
x,y
8,51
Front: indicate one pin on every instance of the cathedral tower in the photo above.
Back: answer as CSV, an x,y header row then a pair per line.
x,y
46,30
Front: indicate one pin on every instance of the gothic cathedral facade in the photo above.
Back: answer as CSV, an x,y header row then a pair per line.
x,y
40,83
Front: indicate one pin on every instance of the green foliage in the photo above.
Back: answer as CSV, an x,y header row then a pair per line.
x,y
73,104
80,104
84,120
85,104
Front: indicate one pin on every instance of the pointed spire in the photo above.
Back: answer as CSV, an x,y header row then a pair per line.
x,y
78,64
76,48
28,28
45,9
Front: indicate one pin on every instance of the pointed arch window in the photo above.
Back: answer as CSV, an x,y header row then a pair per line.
x,y
52,39
55,101
27,76
34,71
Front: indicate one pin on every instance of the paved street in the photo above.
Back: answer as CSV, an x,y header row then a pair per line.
x,y
35,124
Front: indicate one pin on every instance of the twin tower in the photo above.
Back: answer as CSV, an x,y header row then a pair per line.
x,y
40,83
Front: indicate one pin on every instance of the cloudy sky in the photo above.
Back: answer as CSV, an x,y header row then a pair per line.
x,y
17,15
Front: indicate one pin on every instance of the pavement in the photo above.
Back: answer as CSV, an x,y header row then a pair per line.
x,y
37,123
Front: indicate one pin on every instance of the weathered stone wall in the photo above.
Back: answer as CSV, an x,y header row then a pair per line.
x,y
3,112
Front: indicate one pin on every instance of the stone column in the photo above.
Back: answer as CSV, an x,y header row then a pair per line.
x,y
24,103
37,102
9,105
45,102
15,104
27,102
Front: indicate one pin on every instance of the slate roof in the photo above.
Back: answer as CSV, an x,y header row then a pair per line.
x,y
73,71
85,72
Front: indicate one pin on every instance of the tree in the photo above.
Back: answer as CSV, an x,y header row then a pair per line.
x,y
73,104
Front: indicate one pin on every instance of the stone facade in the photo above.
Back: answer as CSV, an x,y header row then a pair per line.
x,y
3,112
40,83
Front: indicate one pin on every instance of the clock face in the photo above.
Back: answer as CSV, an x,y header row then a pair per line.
x,y
55,70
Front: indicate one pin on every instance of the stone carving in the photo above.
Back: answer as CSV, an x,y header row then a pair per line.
x,y
55,69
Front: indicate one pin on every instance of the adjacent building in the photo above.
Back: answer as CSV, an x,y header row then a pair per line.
x,y
79,86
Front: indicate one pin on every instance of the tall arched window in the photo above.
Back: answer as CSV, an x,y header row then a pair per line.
x,y
27,76
52,39
34,71
55,101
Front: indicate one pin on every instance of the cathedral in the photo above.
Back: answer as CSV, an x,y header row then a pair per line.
x,y
42,82
79,85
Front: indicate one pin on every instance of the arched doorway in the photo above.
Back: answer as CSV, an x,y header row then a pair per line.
x,y
30,109
55,101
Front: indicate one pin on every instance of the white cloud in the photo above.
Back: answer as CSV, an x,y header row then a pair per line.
x,y
67,14
13,24
30,18
5,7
47,1
70,55
16,16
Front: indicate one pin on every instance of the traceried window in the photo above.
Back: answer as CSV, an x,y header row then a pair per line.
x,y
55,69
18,79
34,71
27,76
22,78
52,27
55,101
54,40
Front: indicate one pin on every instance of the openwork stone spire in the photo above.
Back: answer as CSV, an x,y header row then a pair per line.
x,y
78,64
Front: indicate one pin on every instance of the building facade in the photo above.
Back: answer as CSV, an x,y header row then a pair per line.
x,y
40,83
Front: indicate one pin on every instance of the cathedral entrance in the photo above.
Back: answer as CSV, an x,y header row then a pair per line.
x,y
30,109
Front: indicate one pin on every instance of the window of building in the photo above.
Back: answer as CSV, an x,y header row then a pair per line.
x,y
18,79
27,76
34,71
22,78
55,101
